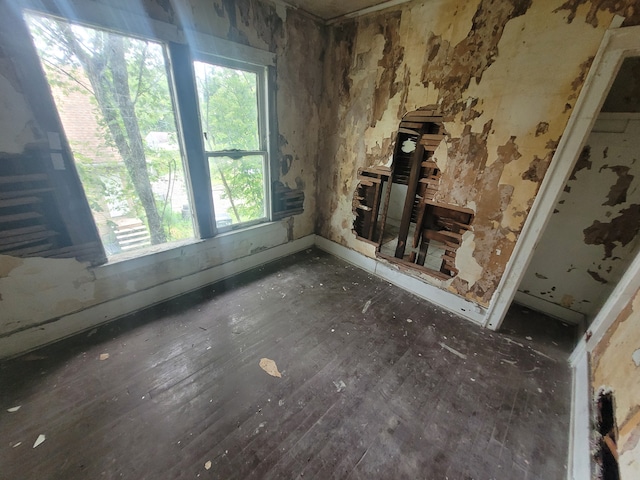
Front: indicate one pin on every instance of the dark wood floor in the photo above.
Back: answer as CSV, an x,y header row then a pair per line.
x,y
376,384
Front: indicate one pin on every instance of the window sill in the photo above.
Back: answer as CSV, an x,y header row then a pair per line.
x,y
160,253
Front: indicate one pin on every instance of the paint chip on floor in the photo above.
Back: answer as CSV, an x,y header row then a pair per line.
x,y
366,306
340,386
17,444
409,320
41,438
104,356
13,409
270,367
207,465
453,350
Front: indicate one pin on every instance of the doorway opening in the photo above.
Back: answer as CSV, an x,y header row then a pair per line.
x,y
592,235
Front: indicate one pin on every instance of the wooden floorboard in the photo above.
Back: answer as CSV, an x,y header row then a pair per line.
x,y
376,384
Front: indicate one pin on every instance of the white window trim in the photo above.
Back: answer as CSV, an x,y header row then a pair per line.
x,y
262,75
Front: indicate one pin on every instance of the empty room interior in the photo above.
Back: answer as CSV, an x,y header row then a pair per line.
x,y
317,239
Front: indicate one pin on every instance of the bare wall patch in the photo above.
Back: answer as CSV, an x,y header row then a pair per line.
x,y
452,69
620,230
618,192
626,8
583,162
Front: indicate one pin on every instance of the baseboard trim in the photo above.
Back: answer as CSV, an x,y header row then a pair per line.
x,y
40,335
43,334
442,298
548,308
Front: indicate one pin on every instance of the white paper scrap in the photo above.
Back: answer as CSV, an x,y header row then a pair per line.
x,y
41,438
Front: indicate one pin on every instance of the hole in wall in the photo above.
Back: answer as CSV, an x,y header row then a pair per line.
x,y
606,454
396,209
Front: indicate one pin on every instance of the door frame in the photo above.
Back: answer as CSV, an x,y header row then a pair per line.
x,y
617,44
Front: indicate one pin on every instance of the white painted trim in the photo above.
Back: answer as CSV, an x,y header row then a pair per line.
x,y
615,47
365,11
68,325
140,25
579,465
442,298
617,301
618,116
220,47
108,18
549,308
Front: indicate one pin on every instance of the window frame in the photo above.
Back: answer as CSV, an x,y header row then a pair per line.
x,y
182,47
262,87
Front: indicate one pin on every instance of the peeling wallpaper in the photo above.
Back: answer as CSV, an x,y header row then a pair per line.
x,y
615,363
505,74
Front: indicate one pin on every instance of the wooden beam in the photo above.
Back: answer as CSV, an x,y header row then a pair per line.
x,y
414,175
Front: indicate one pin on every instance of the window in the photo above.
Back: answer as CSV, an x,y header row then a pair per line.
x,y
148,179
232,120
112,94
396,208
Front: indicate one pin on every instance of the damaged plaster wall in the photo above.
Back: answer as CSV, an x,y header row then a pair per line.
x,y
506,91
615,364
36,292
592,236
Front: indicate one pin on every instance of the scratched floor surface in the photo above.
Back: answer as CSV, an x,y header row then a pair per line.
x,y
376,384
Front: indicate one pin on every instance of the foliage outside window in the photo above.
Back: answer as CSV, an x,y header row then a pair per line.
x,y
229,105
115,102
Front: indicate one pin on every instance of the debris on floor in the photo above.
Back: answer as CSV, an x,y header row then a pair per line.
x,y
366,306
104,356
41,438
17,444
257,430
13,409
207,465
453,350
340,386
270,367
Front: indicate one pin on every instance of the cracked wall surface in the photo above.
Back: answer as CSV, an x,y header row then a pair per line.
x,y
36,292
592,236
615,364
506,90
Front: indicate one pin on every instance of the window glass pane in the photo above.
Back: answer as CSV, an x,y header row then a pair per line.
x,y
238,189
113,97
228,107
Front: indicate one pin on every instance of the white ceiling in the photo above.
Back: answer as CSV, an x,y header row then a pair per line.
x,y
328,9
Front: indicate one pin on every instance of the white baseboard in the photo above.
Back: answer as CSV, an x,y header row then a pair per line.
x,y
442,298
57,329
87,319
549,308
580,430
